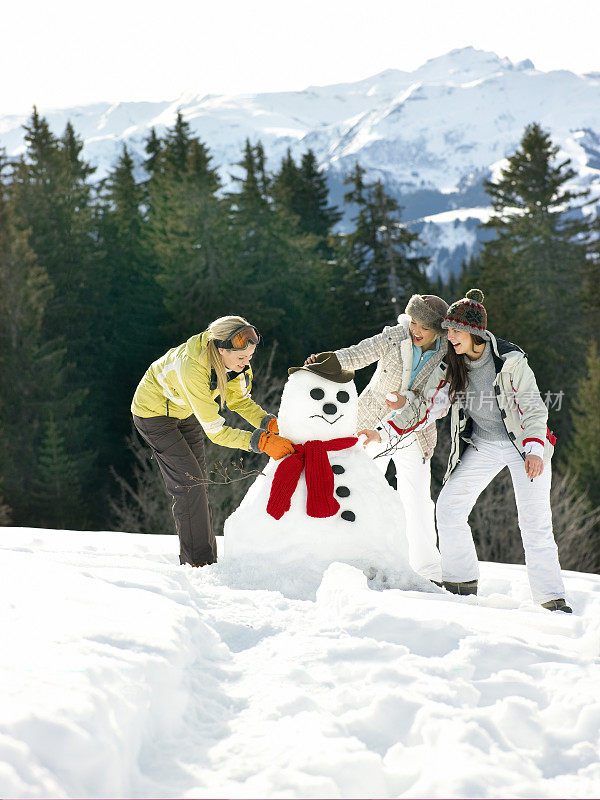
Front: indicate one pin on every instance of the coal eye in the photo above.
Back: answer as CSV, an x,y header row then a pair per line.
x,y
317,394
343,397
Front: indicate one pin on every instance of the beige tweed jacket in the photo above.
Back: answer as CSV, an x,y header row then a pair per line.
x,y
393,351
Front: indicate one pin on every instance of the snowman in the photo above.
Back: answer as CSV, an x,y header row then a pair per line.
x,y
327,502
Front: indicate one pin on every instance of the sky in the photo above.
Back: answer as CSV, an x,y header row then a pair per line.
x,y
69,52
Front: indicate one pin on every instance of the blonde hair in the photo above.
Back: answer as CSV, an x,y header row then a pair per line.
x,y
221,328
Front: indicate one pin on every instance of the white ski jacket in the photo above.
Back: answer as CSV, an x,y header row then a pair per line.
x,y
522,409
393,351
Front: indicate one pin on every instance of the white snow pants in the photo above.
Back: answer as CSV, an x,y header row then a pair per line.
x,y
479,465
413,480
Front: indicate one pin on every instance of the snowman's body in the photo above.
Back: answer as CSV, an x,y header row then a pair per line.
x,y
367,531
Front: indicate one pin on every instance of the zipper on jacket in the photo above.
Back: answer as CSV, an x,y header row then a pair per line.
x,y
471,443
511,437
455,444
167,406
498,365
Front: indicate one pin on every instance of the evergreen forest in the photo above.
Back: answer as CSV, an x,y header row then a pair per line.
x,y
98,278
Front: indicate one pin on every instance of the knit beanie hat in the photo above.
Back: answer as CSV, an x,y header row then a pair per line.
x,y
428,309
468,314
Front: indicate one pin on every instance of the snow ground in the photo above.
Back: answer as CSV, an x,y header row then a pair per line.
x,y
126,675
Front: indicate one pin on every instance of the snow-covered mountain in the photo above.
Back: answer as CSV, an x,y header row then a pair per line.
x,y
126,675
431,135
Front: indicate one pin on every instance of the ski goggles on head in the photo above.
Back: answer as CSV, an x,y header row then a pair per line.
x,y
240,338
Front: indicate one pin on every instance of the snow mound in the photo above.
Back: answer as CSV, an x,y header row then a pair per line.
x,y
127,675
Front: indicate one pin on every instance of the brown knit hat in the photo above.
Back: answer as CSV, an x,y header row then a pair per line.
x,y
468,314
428,309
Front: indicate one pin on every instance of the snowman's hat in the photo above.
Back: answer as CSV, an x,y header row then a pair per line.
x,y
327,366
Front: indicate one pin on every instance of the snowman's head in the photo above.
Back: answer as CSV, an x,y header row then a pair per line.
x,y
314,407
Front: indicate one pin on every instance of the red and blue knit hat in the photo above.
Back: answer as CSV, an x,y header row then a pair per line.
x,y
468,314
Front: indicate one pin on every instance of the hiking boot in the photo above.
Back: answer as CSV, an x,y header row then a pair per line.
x,y
462,587
558,605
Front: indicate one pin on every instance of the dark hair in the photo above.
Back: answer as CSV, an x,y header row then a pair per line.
x,y
457,373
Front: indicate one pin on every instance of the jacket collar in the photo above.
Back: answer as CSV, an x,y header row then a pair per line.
x,y
231,375
406,351
436,349
502,350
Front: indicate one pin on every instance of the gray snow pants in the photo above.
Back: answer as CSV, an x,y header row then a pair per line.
x,y
179,450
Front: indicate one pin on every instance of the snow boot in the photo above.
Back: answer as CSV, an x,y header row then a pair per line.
x,y
462,587
558,605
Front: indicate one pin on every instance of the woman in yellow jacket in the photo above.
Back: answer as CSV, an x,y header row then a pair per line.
x,y
180,396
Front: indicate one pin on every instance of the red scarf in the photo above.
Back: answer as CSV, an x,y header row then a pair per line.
x,y
311,456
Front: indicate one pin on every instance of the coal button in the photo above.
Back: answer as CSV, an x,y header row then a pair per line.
x,y
338,469
349,515
342,491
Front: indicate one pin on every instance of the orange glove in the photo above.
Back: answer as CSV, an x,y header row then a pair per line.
x,y
275,446
272,426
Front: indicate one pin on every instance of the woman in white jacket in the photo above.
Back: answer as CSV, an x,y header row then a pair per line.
x,y
410,359
498,419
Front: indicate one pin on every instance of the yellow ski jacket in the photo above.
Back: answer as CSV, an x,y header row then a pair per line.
x,y
180,384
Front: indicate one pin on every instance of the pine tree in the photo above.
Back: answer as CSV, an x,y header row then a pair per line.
x,y
302,191
80,170
57,491
186,237
177,145
276,271
53,202
134,315
34,186
53,198
153,148
398,271
591,279
383,251
32,371
125,198
319,217
532,271
80,280
583,456
286,184
263,180
250,201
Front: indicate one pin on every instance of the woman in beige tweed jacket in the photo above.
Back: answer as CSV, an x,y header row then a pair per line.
x,y
410,356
